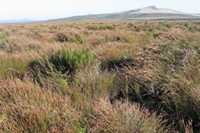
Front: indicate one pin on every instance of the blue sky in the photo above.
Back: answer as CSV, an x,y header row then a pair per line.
x,y
47,9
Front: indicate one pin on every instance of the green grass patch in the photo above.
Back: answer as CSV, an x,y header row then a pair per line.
x,y
10,66
4,37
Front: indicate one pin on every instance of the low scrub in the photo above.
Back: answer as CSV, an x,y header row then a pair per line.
x,y
144,77
55,71
68,61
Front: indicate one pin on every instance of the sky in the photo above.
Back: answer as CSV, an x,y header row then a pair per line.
x,y
50,9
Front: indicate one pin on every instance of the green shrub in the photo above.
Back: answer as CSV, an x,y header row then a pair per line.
x,y
69,61
150,35
54,71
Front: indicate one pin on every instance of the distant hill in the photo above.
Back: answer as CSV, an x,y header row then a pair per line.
x,y
150,12
146,13
153,9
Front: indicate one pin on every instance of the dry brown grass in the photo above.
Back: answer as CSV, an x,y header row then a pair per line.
x,y
29,108
156,91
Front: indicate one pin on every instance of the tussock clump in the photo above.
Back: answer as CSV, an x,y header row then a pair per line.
x,y
93,83
124,117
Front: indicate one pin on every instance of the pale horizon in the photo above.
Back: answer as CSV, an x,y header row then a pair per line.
x,y
44,10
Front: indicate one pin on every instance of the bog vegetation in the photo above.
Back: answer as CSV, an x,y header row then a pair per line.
x,y
113,77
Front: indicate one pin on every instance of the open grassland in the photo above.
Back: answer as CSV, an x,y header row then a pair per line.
x,y
112,77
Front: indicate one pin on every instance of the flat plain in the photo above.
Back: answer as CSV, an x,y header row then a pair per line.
x,y
112,77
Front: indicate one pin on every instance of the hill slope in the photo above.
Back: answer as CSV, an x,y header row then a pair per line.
x,y
150,12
